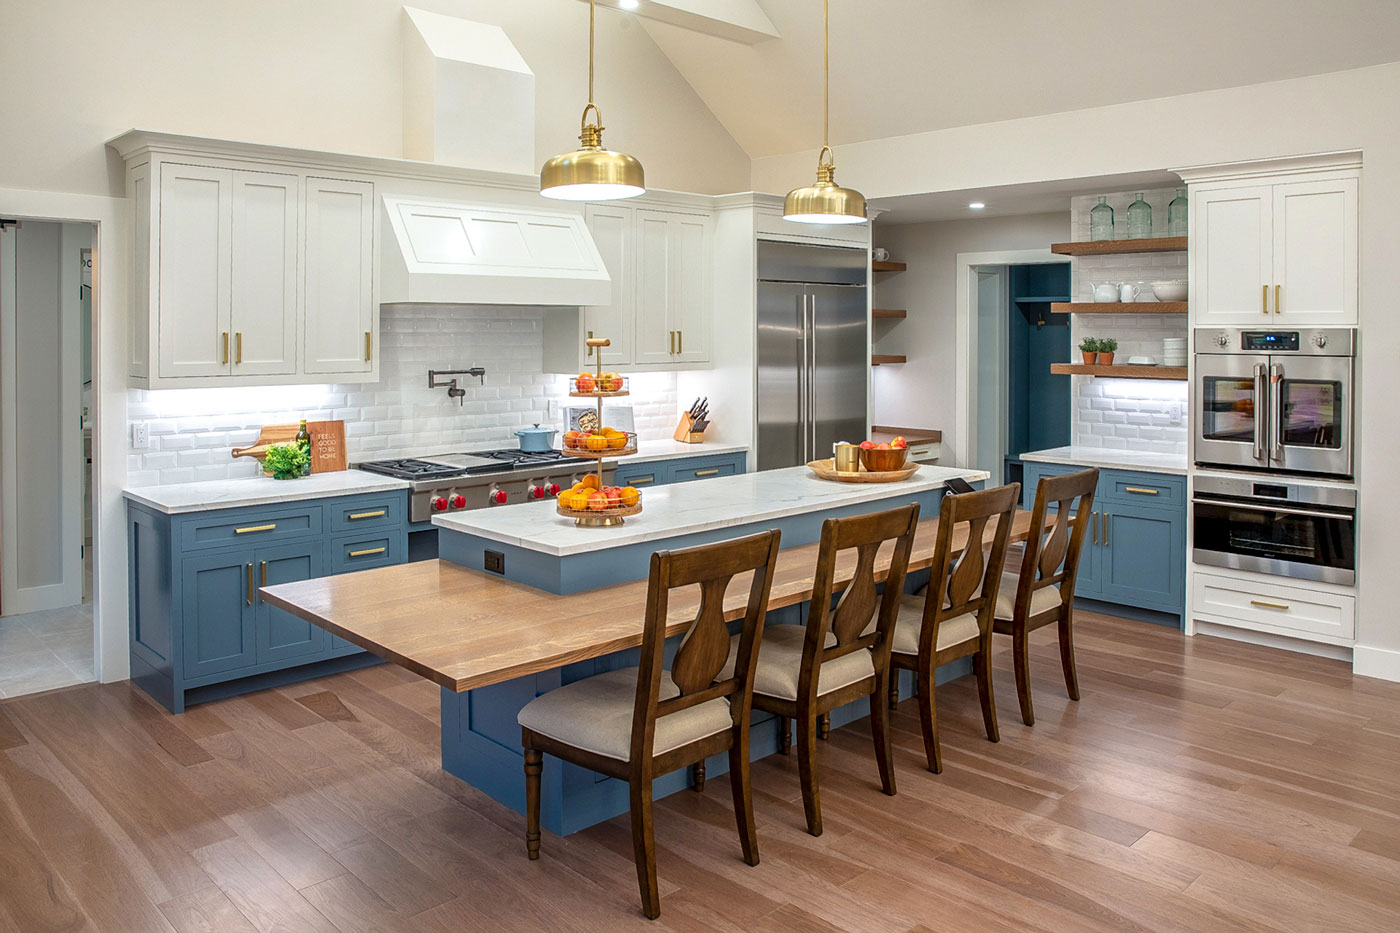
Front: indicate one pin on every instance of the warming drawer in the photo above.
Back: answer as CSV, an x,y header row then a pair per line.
x,y
1316,615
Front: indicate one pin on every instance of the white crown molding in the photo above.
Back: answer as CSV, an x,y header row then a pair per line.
x,y
1341,160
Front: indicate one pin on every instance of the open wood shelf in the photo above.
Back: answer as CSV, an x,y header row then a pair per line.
x,y
1118,307
1161,244
887,265
893,314
1123,371
1039,299
879,358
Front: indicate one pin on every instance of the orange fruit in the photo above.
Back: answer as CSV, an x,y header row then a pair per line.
x,y
596,442
590,481
631,495
579,501
617,441
597,501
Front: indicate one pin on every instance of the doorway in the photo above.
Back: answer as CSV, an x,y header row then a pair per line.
x,y
46,553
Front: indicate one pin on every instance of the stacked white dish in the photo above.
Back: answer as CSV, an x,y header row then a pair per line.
x,y
1173,351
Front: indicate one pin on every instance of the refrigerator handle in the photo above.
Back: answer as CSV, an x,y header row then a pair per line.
x,y
1276,413
809,327
1261,413
802,377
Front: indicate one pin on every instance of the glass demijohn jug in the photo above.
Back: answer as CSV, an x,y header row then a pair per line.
x,y
1176,214
1101,221
1139,219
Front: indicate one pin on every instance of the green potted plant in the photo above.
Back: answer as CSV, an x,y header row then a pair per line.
x,y
1107,346
285,461
1089,346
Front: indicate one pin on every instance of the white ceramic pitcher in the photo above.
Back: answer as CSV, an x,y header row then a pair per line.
x,y
1128,292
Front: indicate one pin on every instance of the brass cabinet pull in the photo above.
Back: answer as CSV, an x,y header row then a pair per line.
x,y
369,346
590,346
244,531
1140,490
225,348
1094,527
641,480
250,584
712,472
680,341
1106,517
1278,299
264,574
671,342
1264,302
1268,605
353,516
368,551
238,344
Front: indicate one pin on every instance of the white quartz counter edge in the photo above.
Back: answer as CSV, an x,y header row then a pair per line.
x,y
652,451
690,508
1111,459
176,498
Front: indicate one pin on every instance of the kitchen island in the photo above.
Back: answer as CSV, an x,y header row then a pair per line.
x,y
494,642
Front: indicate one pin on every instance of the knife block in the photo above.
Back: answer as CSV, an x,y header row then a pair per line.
x,y
685,433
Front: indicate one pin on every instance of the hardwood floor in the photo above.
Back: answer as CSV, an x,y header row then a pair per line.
x,y
1199,785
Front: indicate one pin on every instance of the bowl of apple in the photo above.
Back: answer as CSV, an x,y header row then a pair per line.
x,y
884,457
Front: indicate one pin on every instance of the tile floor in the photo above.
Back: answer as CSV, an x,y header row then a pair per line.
x,y
45,650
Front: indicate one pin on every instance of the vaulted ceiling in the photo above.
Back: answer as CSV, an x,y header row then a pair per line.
x,y
910,66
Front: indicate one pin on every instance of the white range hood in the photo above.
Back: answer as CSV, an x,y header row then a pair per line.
x,y
439,252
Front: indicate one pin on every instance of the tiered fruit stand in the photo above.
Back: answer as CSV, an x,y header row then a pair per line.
x,y
622,444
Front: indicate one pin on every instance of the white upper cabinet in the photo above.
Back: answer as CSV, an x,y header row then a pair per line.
x,y
612,233
249,275
338,301
689,299
1274,248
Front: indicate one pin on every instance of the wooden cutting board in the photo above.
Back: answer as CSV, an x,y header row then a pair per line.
x,y
271,434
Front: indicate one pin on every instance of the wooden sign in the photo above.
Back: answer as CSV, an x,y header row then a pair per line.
x,y
327,446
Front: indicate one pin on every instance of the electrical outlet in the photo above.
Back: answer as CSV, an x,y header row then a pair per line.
x,y
1174,412
495,562
140,435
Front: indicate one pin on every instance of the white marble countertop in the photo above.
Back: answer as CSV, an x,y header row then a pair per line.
x,y
690,508
1112,459
651,451
175,498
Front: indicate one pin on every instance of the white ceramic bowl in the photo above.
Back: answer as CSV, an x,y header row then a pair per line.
x,y
1141,361
1170,291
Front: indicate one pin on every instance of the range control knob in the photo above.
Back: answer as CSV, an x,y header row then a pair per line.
x,y
536,492
498,496
1222,339
1319,340
552,489
439,504
459,501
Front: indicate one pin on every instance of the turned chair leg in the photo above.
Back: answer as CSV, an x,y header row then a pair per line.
x,y
824,726
884,750
742,790
784,735
1067,656
1020,648
697,772
807,772
894,688
928,716
534,764
982,664
644,848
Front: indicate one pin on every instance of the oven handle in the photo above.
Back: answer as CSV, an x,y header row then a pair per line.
x,y
1275,412
1261,390
1269,507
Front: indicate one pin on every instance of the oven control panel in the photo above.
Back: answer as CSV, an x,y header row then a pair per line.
x,y
1269,340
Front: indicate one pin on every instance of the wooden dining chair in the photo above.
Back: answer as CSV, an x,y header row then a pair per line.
x,y
841,653
953,619
638,723
1041,591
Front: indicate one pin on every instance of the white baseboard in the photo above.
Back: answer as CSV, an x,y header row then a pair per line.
x,y
1269,639
1383,663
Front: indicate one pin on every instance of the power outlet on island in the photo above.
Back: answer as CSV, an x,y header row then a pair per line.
x,y
496,562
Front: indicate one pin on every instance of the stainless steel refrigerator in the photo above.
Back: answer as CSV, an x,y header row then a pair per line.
x,y
813,351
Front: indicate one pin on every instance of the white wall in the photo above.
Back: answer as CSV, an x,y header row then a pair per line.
x,y
319,74
922,392
193,431
1340,111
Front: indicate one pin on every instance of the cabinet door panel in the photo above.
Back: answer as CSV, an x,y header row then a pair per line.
x,y
281,635
1315,264
689,292
612,229
1142,558
654,339
1232,245
264,274
216,618
338,302
195,243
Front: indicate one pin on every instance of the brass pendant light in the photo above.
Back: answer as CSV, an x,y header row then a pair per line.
x,y
592,173
825,202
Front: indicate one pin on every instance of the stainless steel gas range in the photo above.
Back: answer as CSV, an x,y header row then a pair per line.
x,y
482,480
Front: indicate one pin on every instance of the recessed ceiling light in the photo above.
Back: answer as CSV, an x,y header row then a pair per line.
x,y
976,206
627,4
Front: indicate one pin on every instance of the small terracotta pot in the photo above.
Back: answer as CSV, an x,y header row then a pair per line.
x,y
1105,359
1088,357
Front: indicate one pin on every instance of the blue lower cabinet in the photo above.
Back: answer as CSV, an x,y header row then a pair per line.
x,y
679,469
199,629
1136,551
642,475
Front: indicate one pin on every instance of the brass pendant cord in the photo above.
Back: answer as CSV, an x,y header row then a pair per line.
x,y
826,73
592,15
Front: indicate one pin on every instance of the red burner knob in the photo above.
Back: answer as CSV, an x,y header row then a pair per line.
x,y
498,496
459,501
439,504
553,489
536,492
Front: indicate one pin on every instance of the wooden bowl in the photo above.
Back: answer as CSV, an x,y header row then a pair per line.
x,y
884,461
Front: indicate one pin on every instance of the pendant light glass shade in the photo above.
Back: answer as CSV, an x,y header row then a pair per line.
x,y
590,172
825,202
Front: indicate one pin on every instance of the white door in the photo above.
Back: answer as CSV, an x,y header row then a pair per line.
x,y
689,287
195,242
338,302
1315,264
655,332
613,232
1231,255
264,274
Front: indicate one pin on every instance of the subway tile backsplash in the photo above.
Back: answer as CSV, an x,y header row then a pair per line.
x,y
193,431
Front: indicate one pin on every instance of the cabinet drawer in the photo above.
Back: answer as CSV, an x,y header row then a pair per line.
x,y
924,453
360,552
703,469
368,512
1285,610
642,475
1159,490
253,527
